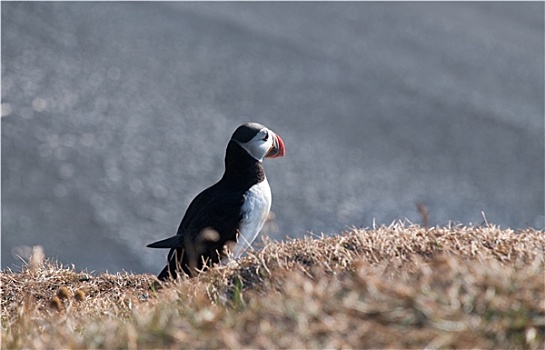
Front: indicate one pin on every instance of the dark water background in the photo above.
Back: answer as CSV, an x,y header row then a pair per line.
x,y
115,115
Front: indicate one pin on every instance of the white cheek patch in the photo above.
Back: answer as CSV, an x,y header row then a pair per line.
x,y
256,147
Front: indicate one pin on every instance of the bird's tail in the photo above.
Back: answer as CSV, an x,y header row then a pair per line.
x,y
171,242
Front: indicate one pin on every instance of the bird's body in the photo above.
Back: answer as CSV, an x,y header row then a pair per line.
x,y
255,210
232,210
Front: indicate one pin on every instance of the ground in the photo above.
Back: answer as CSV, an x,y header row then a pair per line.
x,y
397,286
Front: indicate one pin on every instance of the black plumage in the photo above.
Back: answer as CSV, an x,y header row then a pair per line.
x,y
213,218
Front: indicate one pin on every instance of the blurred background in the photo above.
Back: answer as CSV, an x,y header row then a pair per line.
x,y
115,115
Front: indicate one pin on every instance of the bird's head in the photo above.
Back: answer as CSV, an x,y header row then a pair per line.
x,y
259,141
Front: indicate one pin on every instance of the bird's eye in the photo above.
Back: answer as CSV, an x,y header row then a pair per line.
x,y
265,137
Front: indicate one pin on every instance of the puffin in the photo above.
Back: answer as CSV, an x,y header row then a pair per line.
x,y
229,213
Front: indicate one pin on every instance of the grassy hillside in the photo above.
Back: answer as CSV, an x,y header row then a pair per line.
x,y
399,286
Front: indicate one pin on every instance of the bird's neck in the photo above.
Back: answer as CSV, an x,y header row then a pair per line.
x,y
241,169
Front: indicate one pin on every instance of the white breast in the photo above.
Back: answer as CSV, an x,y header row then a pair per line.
x,y
255,212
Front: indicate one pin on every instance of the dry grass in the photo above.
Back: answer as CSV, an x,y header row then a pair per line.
x,y
398,287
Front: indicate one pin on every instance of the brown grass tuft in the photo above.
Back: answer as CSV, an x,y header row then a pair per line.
x,y
63,293
79,295
55,303
397,286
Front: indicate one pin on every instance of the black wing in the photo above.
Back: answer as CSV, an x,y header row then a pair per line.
x,y
215,208
210,221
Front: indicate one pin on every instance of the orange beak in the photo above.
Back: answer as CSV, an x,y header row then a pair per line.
x,y
277,149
